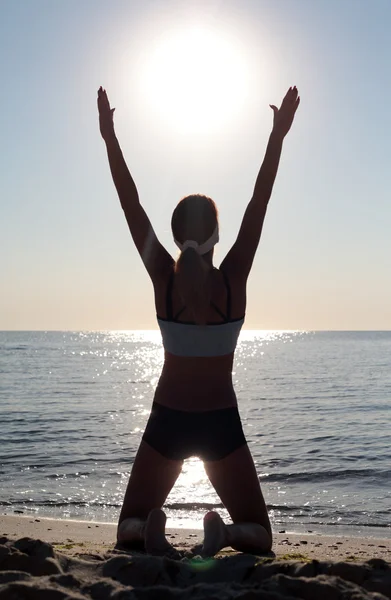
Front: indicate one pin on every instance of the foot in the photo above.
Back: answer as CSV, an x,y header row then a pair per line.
x,y
131,531
155,535
215,534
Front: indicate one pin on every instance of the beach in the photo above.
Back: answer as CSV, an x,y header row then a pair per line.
x,y
74,409
314,409
53,558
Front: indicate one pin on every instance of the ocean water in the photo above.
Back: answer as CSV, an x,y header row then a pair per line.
x,y
315,408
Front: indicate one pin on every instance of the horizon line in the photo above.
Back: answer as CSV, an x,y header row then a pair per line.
x,y
310,330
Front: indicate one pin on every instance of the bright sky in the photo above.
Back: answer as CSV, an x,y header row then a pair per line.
x,y
67,260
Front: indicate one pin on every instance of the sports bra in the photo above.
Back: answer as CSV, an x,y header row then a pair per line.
x,y
189,339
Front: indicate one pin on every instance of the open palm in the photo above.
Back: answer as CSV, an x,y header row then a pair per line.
x,y
106,122
283,116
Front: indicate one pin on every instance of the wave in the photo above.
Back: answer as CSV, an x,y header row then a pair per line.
x,y
327,476
54,503
11,348
283,508
284,516
120,460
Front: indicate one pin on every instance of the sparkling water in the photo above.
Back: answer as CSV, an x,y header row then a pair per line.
x,y
315,408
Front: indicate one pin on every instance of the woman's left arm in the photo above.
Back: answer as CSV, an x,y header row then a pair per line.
x,y
155,257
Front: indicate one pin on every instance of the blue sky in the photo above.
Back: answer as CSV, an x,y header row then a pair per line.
x,y
66,257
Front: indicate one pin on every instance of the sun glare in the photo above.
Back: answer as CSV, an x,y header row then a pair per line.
x,y
195,80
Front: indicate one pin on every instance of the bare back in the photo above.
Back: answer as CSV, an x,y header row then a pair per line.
x,y
199,383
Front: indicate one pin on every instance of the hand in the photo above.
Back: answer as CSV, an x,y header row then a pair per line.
x,y
106,122
283,117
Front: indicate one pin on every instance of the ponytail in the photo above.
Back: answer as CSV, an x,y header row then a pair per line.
x,y
194,223
194,284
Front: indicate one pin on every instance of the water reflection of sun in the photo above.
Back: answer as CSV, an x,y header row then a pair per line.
x,y
193,475
191,490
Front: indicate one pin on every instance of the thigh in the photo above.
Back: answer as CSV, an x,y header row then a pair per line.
x,y
150,482
236,482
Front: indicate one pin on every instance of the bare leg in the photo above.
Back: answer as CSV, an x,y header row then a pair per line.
x,y
236,482
150,482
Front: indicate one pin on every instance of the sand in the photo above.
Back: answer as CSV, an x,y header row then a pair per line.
x,y
57,559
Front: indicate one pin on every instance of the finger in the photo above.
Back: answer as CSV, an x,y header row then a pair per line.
x,y
102,94
286,99
102,104
105,100
297,103
274,108
102,99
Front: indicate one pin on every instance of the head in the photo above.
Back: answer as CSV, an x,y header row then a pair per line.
x,y
195,218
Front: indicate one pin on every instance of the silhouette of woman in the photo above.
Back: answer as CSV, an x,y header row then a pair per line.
x,y
200,311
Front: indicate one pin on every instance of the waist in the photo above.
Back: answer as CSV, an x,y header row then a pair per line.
x,y
196,367
196,384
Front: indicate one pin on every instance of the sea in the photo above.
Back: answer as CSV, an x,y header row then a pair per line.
x,y
315,406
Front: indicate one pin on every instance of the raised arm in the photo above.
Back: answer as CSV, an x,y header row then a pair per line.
x,y
155,258
239,259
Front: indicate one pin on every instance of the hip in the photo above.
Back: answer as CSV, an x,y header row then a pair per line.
x,y
177,434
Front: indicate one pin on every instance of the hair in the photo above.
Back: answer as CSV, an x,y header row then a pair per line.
x,y
194,218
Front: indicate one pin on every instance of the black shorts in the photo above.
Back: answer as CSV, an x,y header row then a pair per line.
x,y
178,434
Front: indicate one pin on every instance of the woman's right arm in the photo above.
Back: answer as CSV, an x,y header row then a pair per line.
x,y
239,259
154,256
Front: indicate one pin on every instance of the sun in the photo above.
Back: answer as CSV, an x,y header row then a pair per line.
x,y
195,80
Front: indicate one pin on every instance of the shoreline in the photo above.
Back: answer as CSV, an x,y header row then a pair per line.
x,y
335,529
80,535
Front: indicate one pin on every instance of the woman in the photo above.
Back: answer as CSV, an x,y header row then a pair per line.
x,y
200,311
